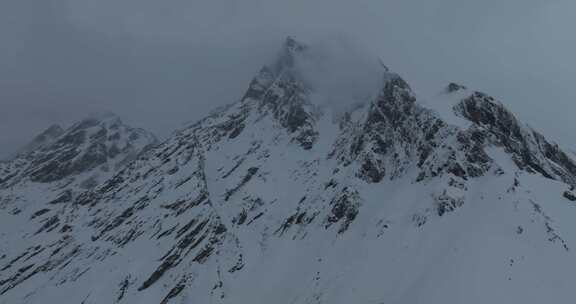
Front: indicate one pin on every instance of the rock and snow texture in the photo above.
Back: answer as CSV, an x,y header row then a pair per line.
x,y
42,139
278,199
37,185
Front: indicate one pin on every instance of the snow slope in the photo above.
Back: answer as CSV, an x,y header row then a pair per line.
x,y
276,199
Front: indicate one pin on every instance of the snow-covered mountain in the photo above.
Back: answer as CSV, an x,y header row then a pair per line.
x,y
42,139
57,166
277,198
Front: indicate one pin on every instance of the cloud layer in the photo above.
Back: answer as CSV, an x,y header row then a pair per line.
x,y
340,71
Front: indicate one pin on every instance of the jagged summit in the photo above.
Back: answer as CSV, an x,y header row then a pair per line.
x,y
261,200
90,143
288,54
530,150
46,137
105,119
51,132
292,47
96,141
454,87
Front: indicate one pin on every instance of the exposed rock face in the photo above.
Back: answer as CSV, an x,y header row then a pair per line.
x,y
103,143
87,145
58,165
43,139
280,90
530,150
569,195
454,87
273,200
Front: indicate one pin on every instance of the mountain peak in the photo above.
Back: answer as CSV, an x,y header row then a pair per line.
x,y
454,87
46,137
105,119
292,45
54,130
48,134
288,53
214,211
101,140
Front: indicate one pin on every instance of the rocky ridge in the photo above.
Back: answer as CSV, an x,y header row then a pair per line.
x,y
261,200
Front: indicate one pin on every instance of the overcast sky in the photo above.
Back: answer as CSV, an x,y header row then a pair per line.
x,y
161,63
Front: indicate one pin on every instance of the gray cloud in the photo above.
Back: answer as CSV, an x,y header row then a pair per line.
x,y
340,71
161,63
